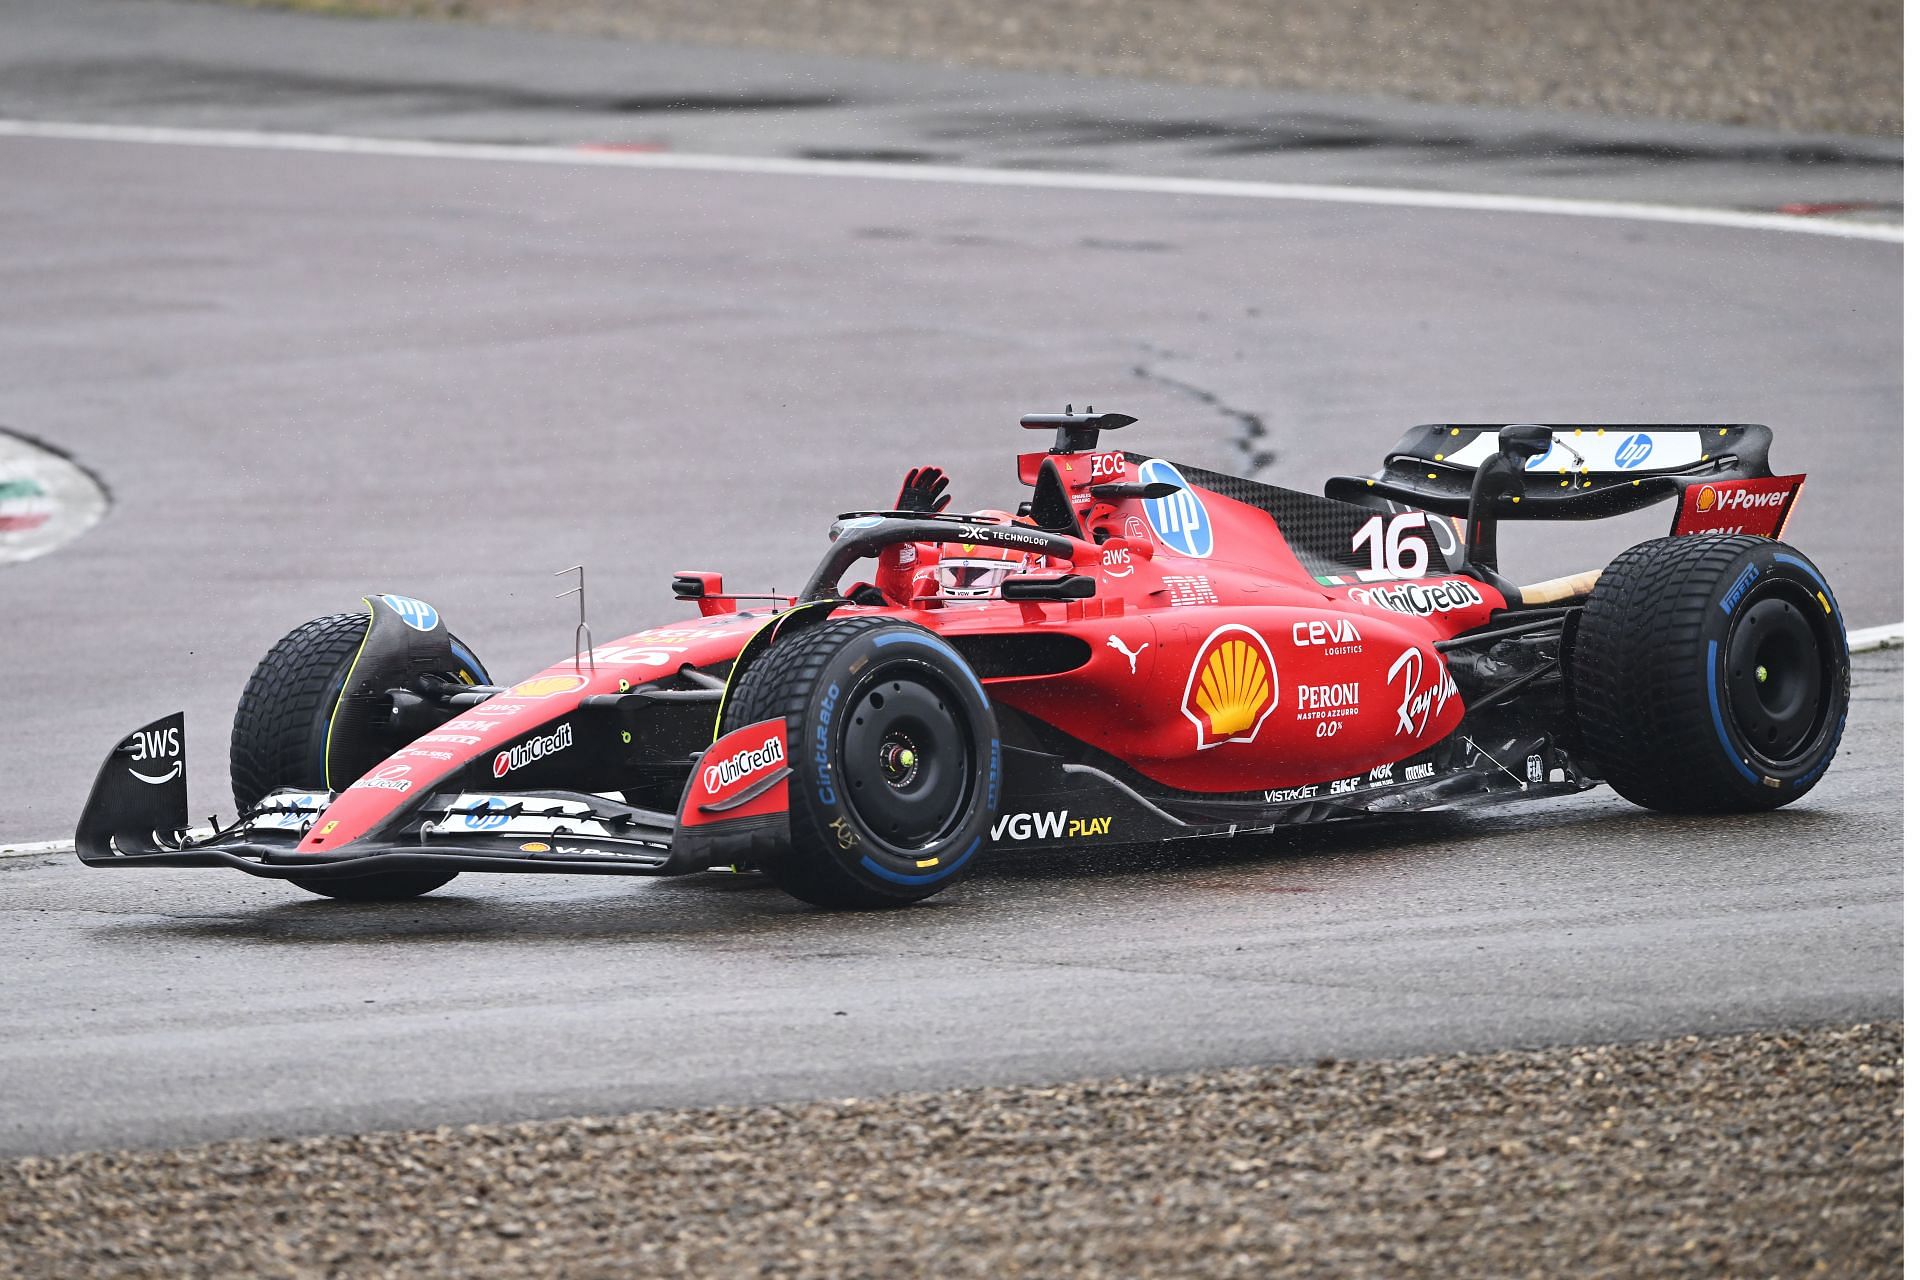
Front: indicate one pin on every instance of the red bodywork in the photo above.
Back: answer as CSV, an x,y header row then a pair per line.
x,y
1220,668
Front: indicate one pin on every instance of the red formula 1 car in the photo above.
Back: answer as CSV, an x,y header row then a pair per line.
x,y
1146,652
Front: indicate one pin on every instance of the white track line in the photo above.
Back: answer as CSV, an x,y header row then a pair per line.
x,y
586,156
1892,636
1867,639
35,848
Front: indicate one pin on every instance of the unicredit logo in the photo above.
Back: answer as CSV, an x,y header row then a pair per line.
x,y
533,749
741,764
1420,598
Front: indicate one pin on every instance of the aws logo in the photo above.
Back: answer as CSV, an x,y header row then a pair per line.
x,y
1230,691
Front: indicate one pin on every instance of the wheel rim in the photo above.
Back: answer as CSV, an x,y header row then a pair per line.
x,y
1776,679
907,761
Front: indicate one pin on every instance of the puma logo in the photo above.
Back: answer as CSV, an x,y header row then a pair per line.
x,y
1133,655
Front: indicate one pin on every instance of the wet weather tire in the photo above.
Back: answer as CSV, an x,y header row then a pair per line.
x,y
280,736
896,760
280,726
1710,674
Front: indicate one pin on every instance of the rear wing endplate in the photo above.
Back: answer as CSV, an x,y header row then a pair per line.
x,y
1590,471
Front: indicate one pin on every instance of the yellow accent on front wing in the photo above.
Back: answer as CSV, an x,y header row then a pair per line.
x,y
326,756
733,674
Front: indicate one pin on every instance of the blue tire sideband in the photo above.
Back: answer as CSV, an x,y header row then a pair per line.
x,y
938,873
931,642
1713,684
1719,718
1780,557
992,745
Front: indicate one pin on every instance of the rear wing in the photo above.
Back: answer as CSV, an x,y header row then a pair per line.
x,y
1588,473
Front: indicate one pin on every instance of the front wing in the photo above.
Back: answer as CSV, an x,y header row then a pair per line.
x,y
734,811
136,816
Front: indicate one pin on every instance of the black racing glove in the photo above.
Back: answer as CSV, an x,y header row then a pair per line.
x,y
924,491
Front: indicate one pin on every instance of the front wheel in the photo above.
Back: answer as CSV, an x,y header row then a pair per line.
x,y
1710,674
280,736
896,760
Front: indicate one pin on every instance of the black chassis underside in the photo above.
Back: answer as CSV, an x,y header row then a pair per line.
x,y
1516,741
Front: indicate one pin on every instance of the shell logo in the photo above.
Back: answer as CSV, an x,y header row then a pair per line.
x,y
1707,498
547,686
1230,691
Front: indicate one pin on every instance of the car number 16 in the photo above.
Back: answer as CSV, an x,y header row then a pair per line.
x,y
1395,549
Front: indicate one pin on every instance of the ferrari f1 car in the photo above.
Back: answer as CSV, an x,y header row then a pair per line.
x,y
1144,652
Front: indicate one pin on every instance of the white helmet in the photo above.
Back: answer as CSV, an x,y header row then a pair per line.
x,y
970,571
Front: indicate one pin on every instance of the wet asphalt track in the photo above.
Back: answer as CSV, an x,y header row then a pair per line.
x,y
304,377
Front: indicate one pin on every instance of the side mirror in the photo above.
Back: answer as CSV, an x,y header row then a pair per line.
x,y
1066,586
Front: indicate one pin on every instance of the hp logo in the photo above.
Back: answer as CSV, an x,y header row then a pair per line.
x,y
417,614
1633,451
1180,519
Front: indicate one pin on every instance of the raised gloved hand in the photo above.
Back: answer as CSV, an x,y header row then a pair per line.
x,y
924,490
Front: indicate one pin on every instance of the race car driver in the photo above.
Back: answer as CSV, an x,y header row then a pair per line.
x,y
946,571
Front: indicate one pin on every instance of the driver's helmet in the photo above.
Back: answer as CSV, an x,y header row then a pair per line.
x,y
969,571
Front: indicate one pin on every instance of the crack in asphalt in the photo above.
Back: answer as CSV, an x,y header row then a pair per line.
x,y
1251,429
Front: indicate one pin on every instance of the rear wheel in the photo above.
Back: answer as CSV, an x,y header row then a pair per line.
x,y
280,735
1710,674
896,760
